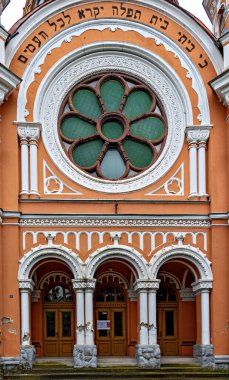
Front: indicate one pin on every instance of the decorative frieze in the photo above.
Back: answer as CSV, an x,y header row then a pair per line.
x,y
83,284
26,285
201,285
146,284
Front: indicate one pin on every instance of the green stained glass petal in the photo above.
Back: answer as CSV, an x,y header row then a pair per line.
x,y
113,165
112,129
139,154
86,103
75,128
138,103
87,154
112,92
151,128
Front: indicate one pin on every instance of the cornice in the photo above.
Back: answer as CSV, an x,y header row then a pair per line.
x,y
8,82
114,221
220,85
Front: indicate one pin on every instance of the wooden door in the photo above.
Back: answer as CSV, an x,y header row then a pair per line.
x,y
58,332
111,335
167,330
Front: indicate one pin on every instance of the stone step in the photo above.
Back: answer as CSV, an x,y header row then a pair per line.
x,y
118,373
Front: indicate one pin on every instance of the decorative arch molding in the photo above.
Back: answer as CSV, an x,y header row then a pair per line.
x,y
58,252
121,252
115,276
158,75
186,252
172,279
179,15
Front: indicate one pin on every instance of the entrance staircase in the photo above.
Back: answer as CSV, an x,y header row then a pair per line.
x,y
118,368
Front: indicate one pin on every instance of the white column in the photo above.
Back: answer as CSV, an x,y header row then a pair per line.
x,y
193,168
25,289
205,316
33,167
202,169
153,316
24,167
89,316
80,329
143,333
29,133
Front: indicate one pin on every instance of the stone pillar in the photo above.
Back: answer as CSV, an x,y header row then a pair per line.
x,y
27,351
204,352
85,352
153,313
28,134
197,137
147,351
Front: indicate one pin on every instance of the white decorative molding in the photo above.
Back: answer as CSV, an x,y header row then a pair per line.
x,y
114,277
174,186
198,134
8,82
98,221
128,254
55,86
26,284
82,284
187,295
165,237
185,252
170,278
168,10
53,277
201,285
28,130
53,184
44,252
146,285
220,85
35,296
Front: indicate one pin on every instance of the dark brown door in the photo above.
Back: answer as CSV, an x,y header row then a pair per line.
x,y
111,331
167,330
58,332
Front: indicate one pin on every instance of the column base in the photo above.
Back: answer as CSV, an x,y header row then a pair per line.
x,y
85,356
204,353
27,356
148,356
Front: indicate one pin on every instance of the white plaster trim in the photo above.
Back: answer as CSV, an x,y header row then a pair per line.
x,y
61,188
131,255
57,252
178,178
57,84
187,252
160,39
166,9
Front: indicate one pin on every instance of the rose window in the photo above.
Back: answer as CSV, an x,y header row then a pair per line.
x,y
112,126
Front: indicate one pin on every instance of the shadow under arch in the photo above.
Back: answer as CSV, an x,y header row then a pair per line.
x,y
121,252
185,252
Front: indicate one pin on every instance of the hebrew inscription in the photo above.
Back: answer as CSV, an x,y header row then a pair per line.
x,y
79,14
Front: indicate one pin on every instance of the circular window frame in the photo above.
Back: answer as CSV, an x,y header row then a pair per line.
x,y
58,83
129,85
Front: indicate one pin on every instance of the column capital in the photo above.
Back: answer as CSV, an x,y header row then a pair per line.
x,y
28,131
141,285
82,284
26,285
198,133
201,286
